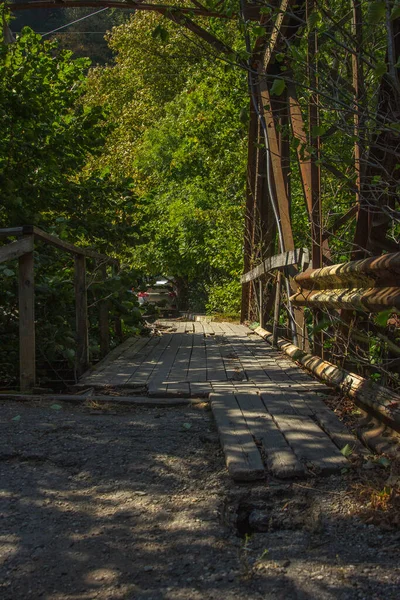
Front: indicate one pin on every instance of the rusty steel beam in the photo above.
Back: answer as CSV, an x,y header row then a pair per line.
x,y
371,285
303,156
367,300
282,197
381,270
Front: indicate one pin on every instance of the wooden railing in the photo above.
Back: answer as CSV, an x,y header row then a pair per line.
x,y
285,264
370,285
23,250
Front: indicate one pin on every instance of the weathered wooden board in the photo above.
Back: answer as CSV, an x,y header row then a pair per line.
x,y
16,249
200,389
158,381
279,261
121,371
242,457
197,371
280,458
178,389
180,366
310,444
97,373
215,364
145,370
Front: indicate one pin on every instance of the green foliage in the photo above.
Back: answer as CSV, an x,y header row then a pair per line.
x,y
278,87
184,145
47,135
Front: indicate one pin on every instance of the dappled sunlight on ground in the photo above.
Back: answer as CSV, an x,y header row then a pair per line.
x,y
135,505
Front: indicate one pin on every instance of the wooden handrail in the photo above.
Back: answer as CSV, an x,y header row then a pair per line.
x,y
53,240
23,250
299,256
16,249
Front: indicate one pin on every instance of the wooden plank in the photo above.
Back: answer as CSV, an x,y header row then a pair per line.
x,y
179,369
208,329
157,383
242,457
122,370
279,261
181,389
238,339
81,314
201,389
11,231
103,399
16,249
189,327
281,460
215,364
310,444
150,361
197,371
71,248
98,372
198,327
331,424
26,302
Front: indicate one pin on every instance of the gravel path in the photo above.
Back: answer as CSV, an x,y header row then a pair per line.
x,y
136,504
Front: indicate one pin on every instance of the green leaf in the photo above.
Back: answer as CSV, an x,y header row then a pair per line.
x,y
186,425
8,272
395,12
161,33
317,130
323,324
16,418
56,407
385,462
313,20
376,12
347,450
380,69
258,31
278,87
382,317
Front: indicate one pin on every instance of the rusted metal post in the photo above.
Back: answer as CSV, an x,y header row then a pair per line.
x,y
363,221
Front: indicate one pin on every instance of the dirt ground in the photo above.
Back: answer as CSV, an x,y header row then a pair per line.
x,y
136,504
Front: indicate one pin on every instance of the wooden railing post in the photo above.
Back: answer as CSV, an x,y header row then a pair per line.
x,y
26,299
118,322
82,327
104,323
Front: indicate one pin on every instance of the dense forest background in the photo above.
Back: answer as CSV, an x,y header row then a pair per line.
x,y
138,152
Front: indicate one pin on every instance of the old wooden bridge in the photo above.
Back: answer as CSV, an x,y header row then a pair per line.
x,y
268,409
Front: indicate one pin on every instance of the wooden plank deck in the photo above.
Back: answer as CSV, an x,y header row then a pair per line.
x,y
270,418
